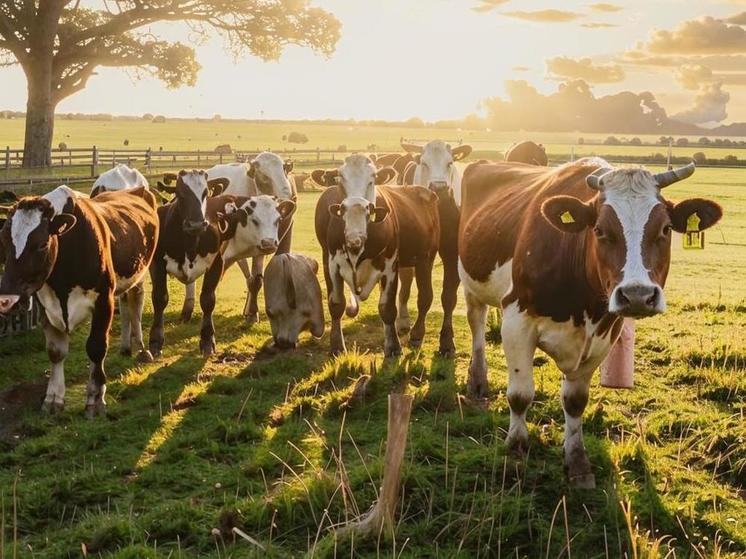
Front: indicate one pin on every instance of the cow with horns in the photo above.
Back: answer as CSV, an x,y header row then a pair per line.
x,y
567,253
432,166
367,233
266,174
77,254
202,233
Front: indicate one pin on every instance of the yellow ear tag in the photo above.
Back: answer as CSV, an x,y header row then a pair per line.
x,y
694,239
567,217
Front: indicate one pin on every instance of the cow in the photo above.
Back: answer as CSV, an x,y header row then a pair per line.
x,y
433,167
77,254
131,303
292,298
266,174
7,198
567,253
203,232
367,232
527,152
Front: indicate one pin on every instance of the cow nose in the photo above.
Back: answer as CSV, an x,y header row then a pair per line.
x,y
438,186
638,300
268,245
355,245
195,226
283,343
7,302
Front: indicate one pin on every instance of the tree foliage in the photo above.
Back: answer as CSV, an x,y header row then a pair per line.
x,y
80,36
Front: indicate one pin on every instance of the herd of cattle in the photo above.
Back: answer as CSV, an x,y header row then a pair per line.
x,y
565,252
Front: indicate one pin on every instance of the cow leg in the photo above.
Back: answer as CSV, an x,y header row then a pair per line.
x,y
403,321
387,311
136,303
125,344
96,346
574,399
243,264
58,343
335,288
476,314
519,344
187,309
257,270
448,299
159,297
207,303
424,274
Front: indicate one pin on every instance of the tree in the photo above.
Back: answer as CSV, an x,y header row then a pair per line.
x,y
60,43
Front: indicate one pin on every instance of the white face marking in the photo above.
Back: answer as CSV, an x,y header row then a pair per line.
x,y
21,226
632,195
273,167
59,197
356,215
262,223
198,185
358,177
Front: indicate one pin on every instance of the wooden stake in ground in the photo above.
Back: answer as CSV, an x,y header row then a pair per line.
x,y
382,514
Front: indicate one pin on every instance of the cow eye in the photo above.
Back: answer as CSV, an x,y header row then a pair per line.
x,y
602,235
667,230
255,221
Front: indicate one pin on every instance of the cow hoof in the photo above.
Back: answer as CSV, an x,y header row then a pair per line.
x,y
447,352
144,357
207,347
186,316
335,351
403,326
125,351
476,390
52,408
252,318
392,352
583,481
517,443
415,343
156,351
93,410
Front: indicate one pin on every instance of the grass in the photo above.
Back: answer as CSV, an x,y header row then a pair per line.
x,y
285,448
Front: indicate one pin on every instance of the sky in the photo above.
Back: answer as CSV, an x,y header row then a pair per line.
x,y
438,59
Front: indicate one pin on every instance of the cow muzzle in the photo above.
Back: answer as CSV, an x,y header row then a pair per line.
x,y
268,246
438,186
7,302
284,343
195,227
355,244
637,300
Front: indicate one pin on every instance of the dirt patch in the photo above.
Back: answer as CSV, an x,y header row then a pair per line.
x,y
14,402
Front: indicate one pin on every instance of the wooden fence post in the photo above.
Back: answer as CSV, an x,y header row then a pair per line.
x,y
7,158
94,161
148,156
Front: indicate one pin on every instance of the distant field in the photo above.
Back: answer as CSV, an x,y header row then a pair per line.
x,y
206,135
193,447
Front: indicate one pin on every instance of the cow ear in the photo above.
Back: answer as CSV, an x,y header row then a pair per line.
x,y
335,210
288,167
252,170
707,211
380,214
313,264
461,152
286,208
163,187
218,185
568,214
222,223
385,175
61,224
324,177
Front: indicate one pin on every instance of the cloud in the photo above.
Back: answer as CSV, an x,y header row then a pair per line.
x,y
692,76
521,68
717,62
605,7
545,16
709,106
598,25
737,19
702,36
563,68
488,5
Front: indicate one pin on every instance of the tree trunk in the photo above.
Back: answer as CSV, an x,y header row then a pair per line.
x,y
37,148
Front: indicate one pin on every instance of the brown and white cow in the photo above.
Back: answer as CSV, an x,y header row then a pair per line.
x,y
567,253
77,254
367,232
201,235
292,298
527,152
433,167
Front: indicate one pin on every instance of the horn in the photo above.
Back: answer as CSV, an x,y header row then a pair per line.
x,y
667,178
595,179
411,148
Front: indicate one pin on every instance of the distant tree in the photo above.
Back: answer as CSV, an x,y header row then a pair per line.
x,y
682,142
342,148
159,119
612,141
730,159
635,142
147,116
699,158
414,122
704,141
217,118
60,43
284,137
581,141
297,138
665,140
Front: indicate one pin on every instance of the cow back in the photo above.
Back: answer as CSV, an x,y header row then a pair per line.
x,y
415,210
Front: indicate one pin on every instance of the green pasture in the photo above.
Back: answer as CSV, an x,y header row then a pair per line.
x,y
276,446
